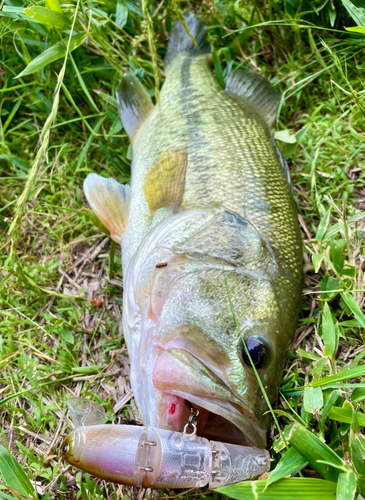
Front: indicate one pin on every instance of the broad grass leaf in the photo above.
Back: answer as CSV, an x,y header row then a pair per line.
x,y
303,488
116,126
314,450
48,17
355,309
14,10
336,255
279,444
52,54
356,29
358,395
285,136
330,401
7,497
66,335
317,259
357,450
88,370
25,50
290,463
357,14
54,5
328,332
346,486
345,415
323,225
13,475
356,371
313,399
348,270
332,16
121,14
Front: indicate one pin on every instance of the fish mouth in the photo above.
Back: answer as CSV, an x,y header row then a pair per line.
x,y
222,415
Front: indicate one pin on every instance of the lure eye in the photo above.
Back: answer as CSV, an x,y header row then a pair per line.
x,y
258,352
64,448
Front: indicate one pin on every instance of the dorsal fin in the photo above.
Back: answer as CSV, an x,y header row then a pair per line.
x,y
134,104
165,180
193,42
109,201
258,92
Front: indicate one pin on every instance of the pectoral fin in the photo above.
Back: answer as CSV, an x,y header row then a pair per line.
x,y
109,200
165,180
134,104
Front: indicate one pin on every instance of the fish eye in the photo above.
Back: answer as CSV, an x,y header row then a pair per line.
x,y
64,448
258,351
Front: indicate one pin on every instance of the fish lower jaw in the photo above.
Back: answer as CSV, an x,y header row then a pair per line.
x,y
212,424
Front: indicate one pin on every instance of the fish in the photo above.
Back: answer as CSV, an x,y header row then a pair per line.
x,y
211,245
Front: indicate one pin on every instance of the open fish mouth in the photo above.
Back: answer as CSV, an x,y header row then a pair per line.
x,y
223,416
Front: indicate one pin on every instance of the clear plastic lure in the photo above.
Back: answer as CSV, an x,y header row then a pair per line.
x,y
149,457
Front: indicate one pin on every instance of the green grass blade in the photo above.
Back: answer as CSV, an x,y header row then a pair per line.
x,y
218,69
356,13
7,497
303,488
121,14
54,5
83,86
11,115
313,399
331,400
314,450
328,332
94,131
356,371
345,415
346,486
290,463
353,306
52,54
48,17
13,475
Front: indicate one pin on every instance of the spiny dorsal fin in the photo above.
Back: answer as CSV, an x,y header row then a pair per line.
x,y
181,41
165,180
134,104
258,92
109,201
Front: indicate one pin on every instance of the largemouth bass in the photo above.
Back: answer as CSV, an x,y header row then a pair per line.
x,y
211,247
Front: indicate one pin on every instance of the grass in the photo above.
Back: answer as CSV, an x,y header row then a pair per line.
x,y
60,283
